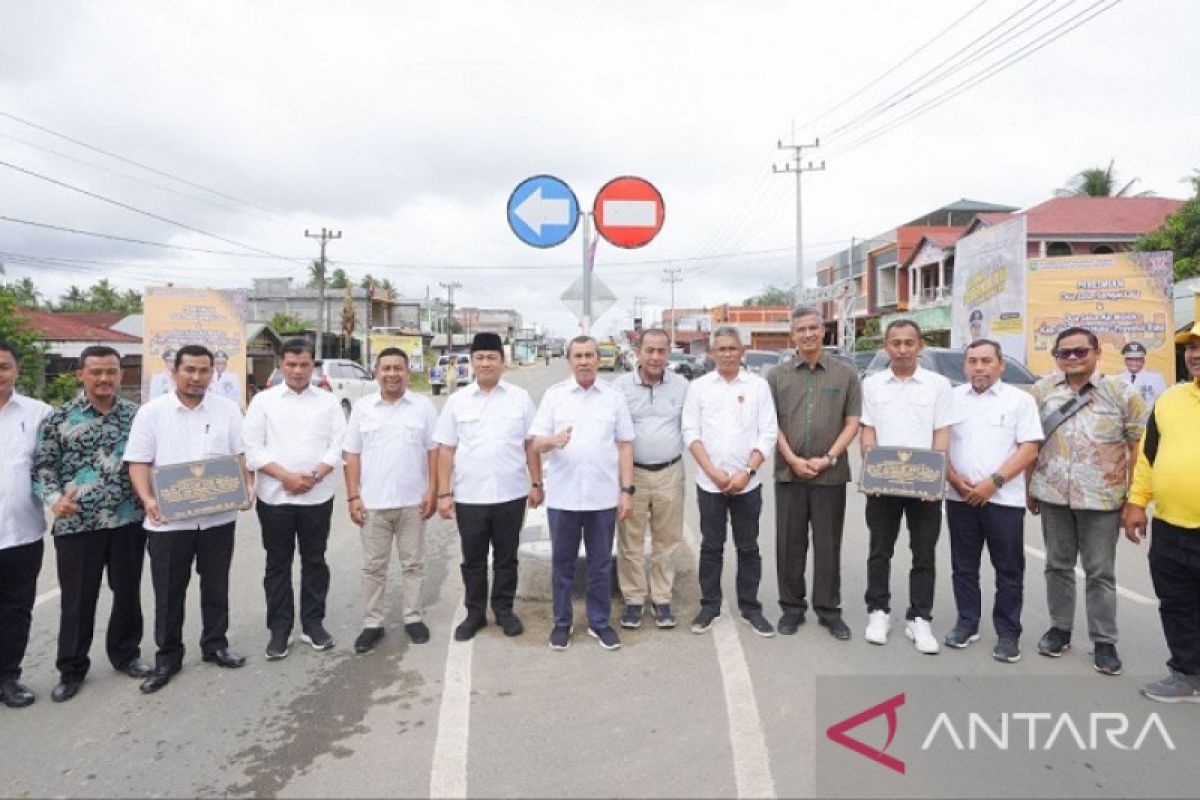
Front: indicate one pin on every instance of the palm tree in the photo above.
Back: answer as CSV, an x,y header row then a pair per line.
x,y
316,275
1098,182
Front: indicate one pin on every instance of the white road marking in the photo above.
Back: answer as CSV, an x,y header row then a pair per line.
x,y
47,595
1128,594
448,778
751,761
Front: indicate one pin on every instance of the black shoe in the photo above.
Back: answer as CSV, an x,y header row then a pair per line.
x,y
606,637
1007,649
467,629
560,637
1054,642
1106,659
317,637
367,640
225,658
790,622
66,689
510,624
135,668
279,646
837,626
418,632
758,622
705,619
159,678
15,694
632,616
959,637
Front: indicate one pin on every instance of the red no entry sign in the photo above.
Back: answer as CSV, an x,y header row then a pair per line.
x,y
628,212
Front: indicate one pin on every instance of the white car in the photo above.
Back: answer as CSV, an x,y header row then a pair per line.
x,y
437,374
348,380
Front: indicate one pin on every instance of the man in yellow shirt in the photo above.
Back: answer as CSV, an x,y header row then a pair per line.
x,y
1166,475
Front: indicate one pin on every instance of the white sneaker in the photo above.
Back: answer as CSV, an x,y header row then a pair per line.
x,y
878,625
921,635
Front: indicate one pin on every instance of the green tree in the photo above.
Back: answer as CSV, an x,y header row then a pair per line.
x,y
338,279
284,324
75,299
15,330
772,296
101,297
368,281
24,291
316,275
1179,233
1098,182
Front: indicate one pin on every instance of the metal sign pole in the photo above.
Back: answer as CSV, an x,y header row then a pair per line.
x,y
587,273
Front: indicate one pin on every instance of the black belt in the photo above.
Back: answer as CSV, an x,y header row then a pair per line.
x,y
658,467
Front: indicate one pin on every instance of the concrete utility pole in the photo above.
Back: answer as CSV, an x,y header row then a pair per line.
x,y
588,256
323,314
795,166
450,287
671,275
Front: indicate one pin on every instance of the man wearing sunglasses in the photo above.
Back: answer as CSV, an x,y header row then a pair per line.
x,y
1079,483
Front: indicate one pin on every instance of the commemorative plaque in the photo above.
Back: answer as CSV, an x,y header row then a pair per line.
x,y
904,472
198,488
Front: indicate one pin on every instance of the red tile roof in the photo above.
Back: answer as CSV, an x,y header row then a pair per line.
x,y
94,318
1119,217
60,326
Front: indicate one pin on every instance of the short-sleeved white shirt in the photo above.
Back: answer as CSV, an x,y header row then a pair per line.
x,y
22,520
991,425
393,440
906,412
584,475
165,431
488,430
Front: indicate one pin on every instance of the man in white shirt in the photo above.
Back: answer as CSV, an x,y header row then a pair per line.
x,y
391,480
21,526
995,439
584,425
905,405
1149,384
294,442
729,426
163,382
487,474
224,382
187,425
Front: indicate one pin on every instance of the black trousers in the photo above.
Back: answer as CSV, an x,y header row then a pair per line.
x,y
1002,529
83,559
924,526
172,554
1175,570
797,507
286,528
19,568
497,525
741,511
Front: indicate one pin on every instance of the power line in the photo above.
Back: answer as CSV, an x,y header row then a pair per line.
x,y
134,209
112,237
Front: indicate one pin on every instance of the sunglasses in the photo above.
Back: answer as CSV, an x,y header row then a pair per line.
x,y
1072,352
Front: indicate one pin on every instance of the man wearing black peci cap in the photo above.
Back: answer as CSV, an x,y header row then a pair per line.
x,y
487,474
1149,384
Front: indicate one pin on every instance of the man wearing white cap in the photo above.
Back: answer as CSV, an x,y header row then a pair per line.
x,y
1149,384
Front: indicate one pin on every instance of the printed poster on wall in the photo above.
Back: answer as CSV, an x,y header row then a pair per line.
x,y
989,288
411,344
175,316
1121,297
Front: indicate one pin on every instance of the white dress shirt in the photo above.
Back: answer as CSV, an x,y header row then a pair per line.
x,y
1149,384
584,475
297,431
226,385
906,411
394,440
991,425
488,431
21,518
165,431
731,419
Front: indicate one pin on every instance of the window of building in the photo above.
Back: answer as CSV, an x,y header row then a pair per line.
x,y
1102,248
1059,249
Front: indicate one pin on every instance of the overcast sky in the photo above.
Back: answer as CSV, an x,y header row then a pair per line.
x,y
406,125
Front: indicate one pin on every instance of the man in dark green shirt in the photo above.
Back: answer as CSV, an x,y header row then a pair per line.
x,y
79,473
818,400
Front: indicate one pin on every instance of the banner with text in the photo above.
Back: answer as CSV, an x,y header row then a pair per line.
x,y
174,316
411,344
1121,297
989,288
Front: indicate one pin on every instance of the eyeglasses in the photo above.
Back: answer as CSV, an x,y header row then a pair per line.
x,y
1072,352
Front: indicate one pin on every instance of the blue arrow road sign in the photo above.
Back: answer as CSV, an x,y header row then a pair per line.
x,y
543,211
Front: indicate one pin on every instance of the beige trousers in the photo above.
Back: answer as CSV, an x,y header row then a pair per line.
x,y
657,499
405,527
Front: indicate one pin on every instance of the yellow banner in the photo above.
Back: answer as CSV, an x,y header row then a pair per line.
x,y
1120,297
175,316
409,343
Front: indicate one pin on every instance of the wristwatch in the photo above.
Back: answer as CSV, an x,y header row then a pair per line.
x,y
751,471
997,479
629,489
832,458
535,484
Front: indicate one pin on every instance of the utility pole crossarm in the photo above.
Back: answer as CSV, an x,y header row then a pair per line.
x,y
672,276
325,236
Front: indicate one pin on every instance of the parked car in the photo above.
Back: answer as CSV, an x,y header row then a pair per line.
x,y
681,363
859,359
439,371
951,363
760,362
610,357
348,380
